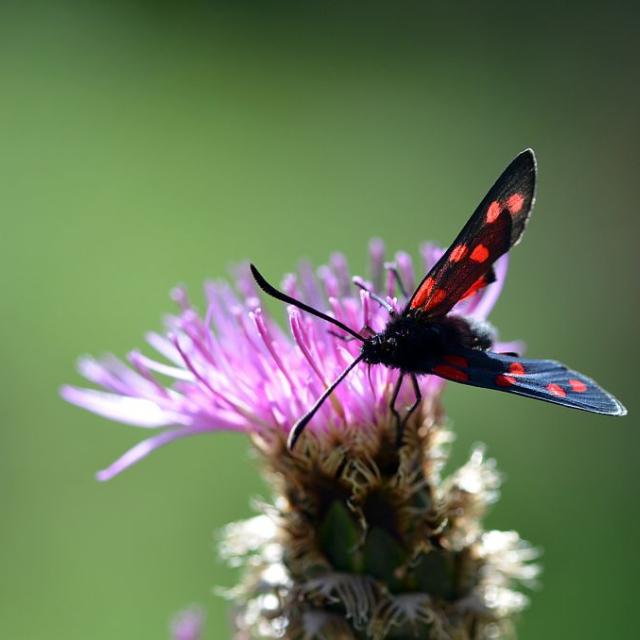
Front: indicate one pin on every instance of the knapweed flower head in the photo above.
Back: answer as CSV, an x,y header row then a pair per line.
x,y
364,538
234,368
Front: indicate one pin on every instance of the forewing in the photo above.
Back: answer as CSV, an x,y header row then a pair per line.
x,y
546,380
495,226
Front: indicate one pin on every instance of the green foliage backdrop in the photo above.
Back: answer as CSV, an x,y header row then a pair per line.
x,y
146,144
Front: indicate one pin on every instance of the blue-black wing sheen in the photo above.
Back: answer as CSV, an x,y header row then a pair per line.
x,y
495,226
546,380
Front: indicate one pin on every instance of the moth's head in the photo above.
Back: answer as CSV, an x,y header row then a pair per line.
x,y
377,349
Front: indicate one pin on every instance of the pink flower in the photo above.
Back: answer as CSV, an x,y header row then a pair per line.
x,y
188,624
236,369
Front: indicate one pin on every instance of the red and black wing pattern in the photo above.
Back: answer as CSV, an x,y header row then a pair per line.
x,y
546,380
495,226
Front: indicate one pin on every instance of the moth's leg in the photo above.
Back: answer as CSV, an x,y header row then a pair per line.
x,y
394,411
412,408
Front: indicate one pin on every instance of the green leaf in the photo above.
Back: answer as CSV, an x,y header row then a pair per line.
x,y
435,574
339,535
383,556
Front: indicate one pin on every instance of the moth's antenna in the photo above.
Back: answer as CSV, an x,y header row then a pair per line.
x,y
279,295
298,427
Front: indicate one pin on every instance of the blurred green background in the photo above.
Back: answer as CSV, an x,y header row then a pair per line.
x,y
145,144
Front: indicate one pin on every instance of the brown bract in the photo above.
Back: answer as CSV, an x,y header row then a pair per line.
x,y
367,541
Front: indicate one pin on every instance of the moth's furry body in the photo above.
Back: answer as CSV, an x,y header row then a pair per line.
x,y
414,344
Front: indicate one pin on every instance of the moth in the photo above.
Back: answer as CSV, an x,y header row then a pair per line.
x,y
426,339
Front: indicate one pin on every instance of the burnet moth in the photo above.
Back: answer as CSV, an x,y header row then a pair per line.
x,y
423,339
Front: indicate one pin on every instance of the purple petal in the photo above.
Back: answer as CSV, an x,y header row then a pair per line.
x,y
430,254
243,279
142,450
340,268
433,385
164,347
376,257
139,412
405,268
172,372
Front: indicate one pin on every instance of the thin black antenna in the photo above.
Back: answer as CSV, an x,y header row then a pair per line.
x,y
273,292
298,427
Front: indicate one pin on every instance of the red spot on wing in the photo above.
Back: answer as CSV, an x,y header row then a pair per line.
x,y
458,361
458,253
427,296
480,253
476,286
507,379
450,373
503,380
423,293
516,368
493,211
514,203
556,390
578,385
438,296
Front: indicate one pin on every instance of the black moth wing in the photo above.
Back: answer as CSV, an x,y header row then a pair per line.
x,y
546,380
496,225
